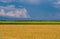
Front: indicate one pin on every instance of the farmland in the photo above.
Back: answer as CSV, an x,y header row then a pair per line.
x,y
29,22
30,31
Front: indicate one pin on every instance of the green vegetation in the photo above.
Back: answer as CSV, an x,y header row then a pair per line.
x,y
29,22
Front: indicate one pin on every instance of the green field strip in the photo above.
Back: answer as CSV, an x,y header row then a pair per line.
x,y
27,22
31,22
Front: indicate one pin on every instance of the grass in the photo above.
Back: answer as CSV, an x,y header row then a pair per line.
x,y
29,22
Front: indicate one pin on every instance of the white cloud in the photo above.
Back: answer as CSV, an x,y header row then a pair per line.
x,y
21,13
33,1
55,3
17,13
10,14
6,0
2,12
23,1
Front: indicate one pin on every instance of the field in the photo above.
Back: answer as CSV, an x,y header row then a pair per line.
x,y
30,22
30,31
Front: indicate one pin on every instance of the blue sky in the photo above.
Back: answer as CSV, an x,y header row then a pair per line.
x,y
29,10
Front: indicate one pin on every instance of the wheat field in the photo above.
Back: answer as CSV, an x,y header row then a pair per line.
x,y
29,31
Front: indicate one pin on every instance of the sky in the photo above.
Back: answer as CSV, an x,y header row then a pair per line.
x,y
29,9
